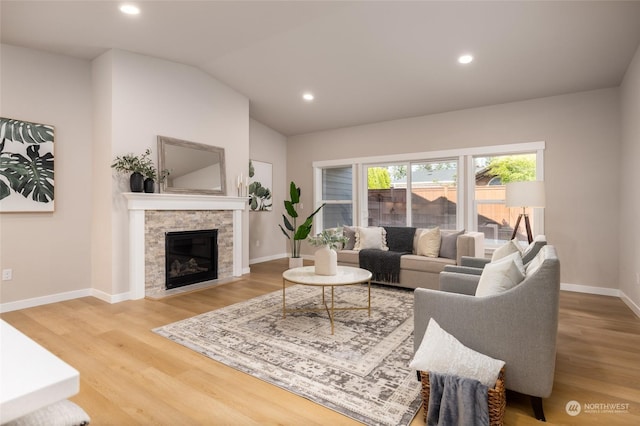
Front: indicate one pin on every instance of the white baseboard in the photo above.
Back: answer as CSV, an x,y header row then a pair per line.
x,y
110,298
630,303
267,258
44,300
579,288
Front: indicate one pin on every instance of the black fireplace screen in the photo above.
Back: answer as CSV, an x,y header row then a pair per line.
x,y
191,257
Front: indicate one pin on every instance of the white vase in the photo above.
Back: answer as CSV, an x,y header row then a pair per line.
x,y
326,261
295,262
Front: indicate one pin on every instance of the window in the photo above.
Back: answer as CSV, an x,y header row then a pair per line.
x,y
492,216
452,189
434,194
337,193
386,202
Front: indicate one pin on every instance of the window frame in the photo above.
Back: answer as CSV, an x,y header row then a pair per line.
x,y
466,207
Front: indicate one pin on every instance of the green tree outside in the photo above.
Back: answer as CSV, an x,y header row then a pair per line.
x,y
378,178
514,168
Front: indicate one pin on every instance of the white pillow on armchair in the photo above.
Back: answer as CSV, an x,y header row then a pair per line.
x,y
498,277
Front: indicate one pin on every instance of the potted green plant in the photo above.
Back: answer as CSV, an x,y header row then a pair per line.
x,y
151,175
326,258
137,166
296,234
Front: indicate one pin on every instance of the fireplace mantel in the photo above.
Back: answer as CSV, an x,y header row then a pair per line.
x,y
138,203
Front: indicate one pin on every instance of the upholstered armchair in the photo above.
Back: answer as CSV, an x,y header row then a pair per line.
x,y
518,326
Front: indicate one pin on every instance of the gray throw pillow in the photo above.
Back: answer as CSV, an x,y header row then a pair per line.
x,y
349,232
449,243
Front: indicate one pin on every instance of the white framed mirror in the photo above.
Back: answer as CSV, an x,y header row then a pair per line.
x,y
194,168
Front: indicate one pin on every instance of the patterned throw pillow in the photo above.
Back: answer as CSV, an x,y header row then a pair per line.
x,y
370,238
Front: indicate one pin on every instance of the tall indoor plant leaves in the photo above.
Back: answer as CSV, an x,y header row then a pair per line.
x,y
296,234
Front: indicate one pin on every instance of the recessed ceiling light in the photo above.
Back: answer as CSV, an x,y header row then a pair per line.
x,y
130,9
465,59
308,97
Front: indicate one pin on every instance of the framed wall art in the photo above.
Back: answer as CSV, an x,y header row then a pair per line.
x,y
26,166
260,184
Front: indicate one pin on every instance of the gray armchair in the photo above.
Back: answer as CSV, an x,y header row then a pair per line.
x,y
518,326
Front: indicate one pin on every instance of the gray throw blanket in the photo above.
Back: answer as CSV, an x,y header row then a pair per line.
x,y
456,400
383,265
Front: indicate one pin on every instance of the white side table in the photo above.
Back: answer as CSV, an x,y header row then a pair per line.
x,y
31,377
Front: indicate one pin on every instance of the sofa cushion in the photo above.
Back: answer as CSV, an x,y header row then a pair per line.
x,y
349,256
498,277
449,243
350,233
370,238
424,264
400,238
440,352
429,243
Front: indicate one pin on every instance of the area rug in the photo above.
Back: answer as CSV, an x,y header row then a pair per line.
x,y
360,371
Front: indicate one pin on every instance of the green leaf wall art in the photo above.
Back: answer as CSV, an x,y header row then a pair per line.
x,y
26,166
260,183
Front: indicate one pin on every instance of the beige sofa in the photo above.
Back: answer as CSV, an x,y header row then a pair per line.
x,y
421,271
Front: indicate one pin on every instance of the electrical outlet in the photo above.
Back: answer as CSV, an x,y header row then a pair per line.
x,y
638,278
257,243
7,274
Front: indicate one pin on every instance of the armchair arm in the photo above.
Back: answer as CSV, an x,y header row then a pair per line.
x,y
463,269
461,283
474,262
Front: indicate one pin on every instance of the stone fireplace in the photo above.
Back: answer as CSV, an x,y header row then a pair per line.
x,y
152,216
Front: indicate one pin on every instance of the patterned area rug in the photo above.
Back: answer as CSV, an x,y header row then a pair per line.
x,y
361,371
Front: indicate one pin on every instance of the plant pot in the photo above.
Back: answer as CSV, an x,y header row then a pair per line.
x,y
149,186
326,261
136,182
295,262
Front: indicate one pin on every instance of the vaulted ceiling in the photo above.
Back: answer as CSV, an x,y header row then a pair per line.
x,y
365,61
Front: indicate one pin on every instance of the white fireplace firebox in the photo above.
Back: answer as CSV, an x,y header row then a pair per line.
x,y
178,211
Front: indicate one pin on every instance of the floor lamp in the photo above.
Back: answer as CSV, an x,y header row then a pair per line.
x,y
523,195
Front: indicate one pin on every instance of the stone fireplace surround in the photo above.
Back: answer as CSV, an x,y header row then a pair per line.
x,y
150,215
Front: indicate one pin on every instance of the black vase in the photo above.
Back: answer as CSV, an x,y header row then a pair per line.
x,y
136,182
149,186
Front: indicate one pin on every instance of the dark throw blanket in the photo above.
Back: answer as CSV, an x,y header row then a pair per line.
x,y
384,265
456,400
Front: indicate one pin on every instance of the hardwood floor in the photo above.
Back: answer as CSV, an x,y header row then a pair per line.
x,y
129,375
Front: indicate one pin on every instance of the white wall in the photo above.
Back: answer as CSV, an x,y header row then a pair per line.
x,y
266,241
49,253
629,180
582,135
151,97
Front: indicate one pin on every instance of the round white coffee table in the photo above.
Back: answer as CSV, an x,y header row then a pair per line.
x,y
346,275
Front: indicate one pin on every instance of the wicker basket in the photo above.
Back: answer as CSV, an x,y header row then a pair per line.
x,y
496,399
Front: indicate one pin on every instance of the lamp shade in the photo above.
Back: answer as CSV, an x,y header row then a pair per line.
x,y
525,194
